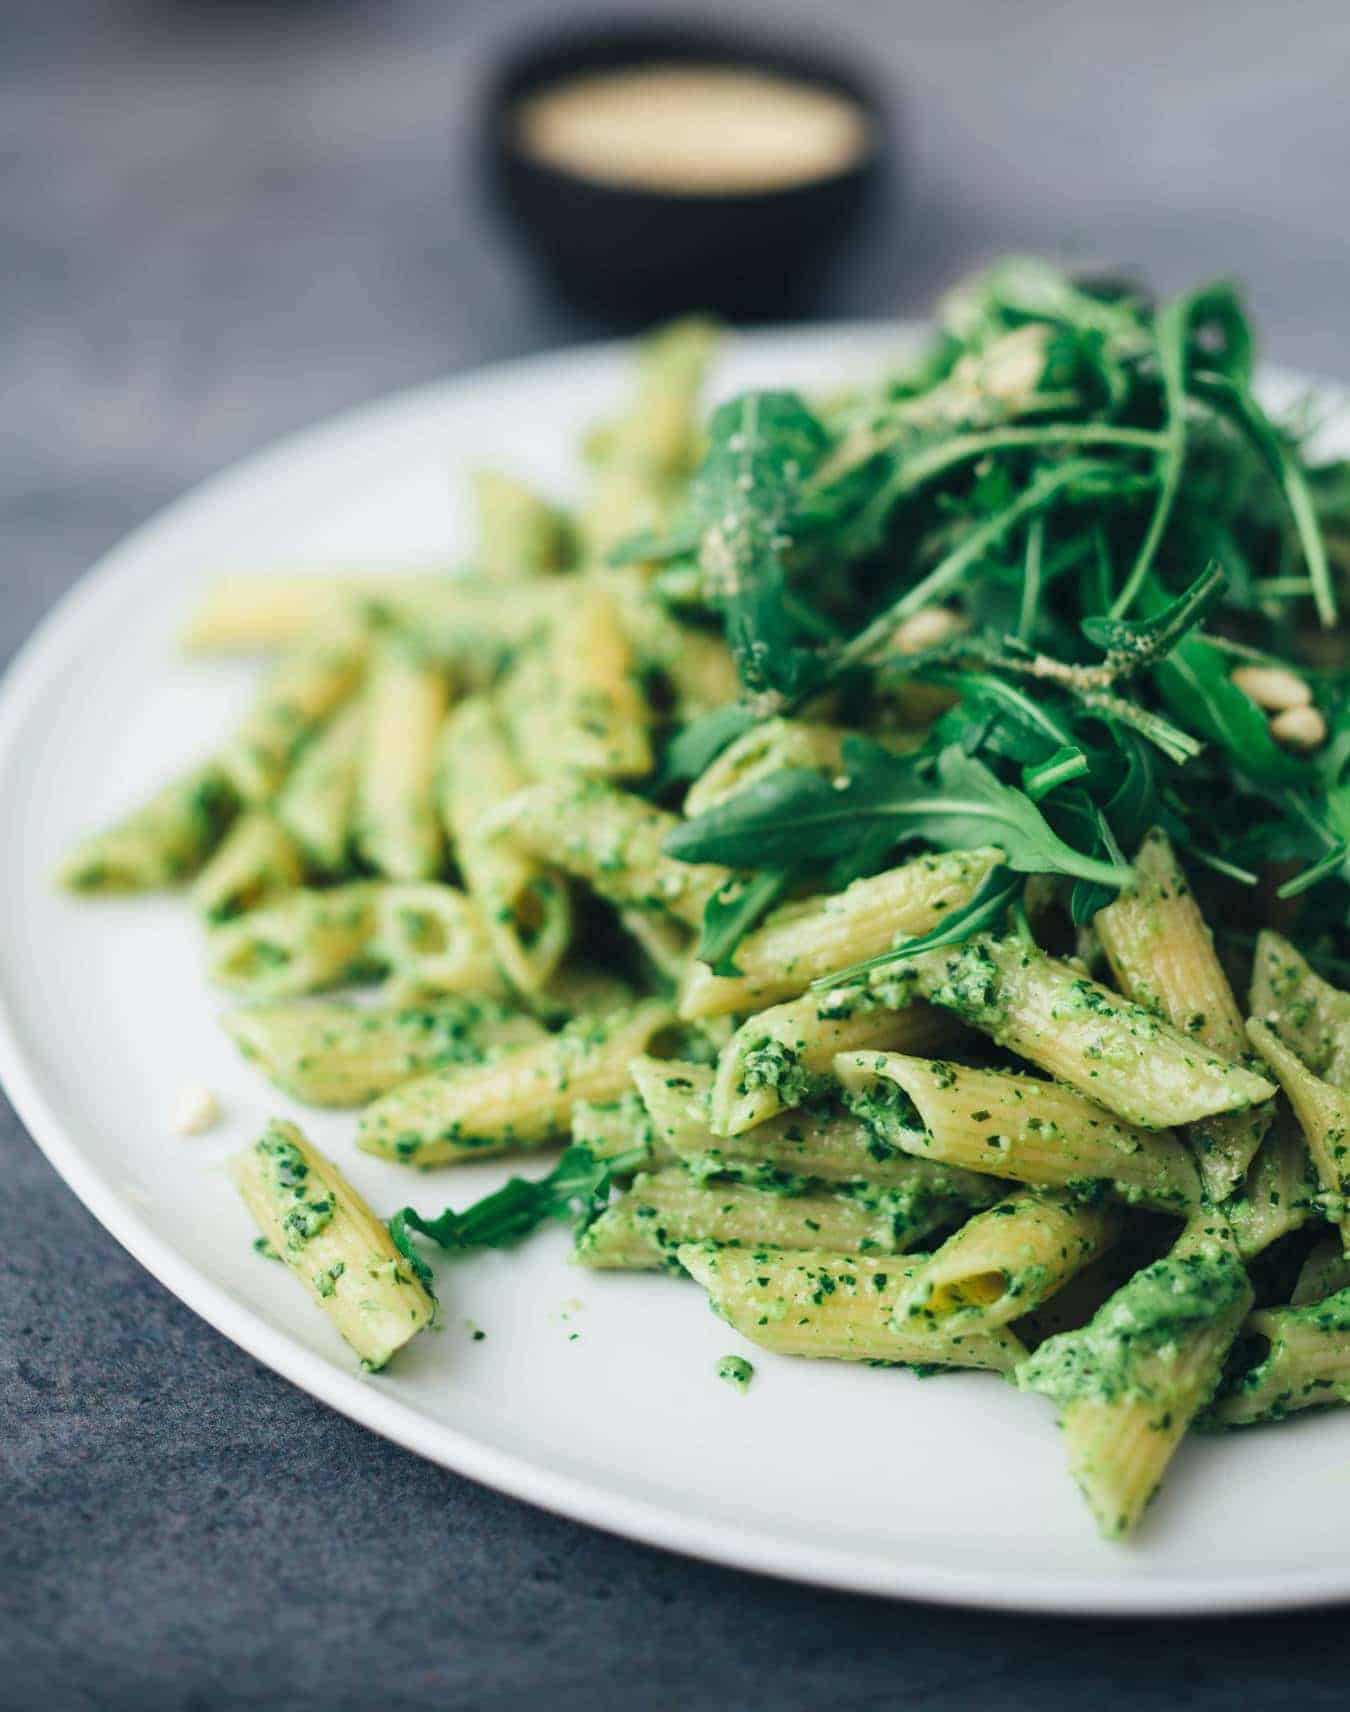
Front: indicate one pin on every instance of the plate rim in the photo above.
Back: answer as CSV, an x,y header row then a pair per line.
x,y
41,656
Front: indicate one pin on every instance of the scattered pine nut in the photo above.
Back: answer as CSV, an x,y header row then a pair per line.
x,y
1272,687
1299,728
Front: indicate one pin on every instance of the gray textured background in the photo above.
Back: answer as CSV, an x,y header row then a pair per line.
x,y
218,222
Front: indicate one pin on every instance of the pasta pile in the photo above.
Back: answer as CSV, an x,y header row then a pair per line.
x,y
918,1113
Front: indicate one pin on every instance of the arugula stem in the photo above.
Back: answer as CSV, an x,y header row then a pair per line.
x,y
952,569
1031,577
1171,333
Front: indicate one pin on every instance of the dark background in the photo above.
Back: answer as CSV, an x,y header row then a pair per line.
x,y
221,221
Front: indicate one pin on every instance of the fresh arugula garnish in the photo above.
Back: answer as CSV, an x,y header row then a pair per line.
x,y
949,800
732,911
576,1189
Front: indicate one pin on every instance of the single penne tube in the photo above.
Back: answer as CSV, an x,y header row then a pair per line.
x,y
397,828
331,1053
432,939
1129,1383
839,1307
1162,955
660,431
1324,1272
309,684
815,1144
257,862
766,748
331,1240
640,458
161,843
699,668
612,840
276,609
1323,1114
609,1128
1280,1193
1014,1126
807,941
522,1100
604,718
525,903
784,1055
1306,1363
1007,1260
519,533
1108,1047
318,800
1306,1012
307,941
664,1209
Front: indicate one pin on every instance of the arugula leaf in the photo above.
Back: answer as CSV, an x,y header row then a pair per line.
x,y
1235,399
576,1188
695,749
953,801
984,910
730,913
1194,681
743,502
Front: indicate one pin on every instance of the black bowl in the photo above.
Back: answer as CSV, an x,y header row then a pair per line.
x,y
652,252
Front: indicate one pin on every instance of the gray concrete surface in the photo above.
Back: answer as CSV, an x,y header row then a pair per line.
x,y
221,221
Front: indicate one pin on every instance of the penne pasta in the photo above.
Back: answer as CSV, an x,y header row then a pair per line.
x,y
309,684
1007,1260
525,904
1323,1114
433,939
317,803
1014,1126
1306,1363
784,1055
608,1128
808,941
766,748
162,843
1128,1384
1162,955
612,840
257,862
522,1100
1280,1193
331,1240
604,718
816,1143
277,609
330,1053
1107,1047
519,534
396,826
663,1209
1308,1014
307,941
832,1306
1325,1272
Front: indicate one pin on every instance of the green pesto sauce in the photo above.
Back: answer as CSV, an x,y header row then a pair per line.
x,y
308,1207
736,1371
1159,1307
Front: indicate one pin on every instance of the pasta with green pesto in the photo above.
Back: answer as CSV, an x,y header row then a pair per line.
x,y
880,856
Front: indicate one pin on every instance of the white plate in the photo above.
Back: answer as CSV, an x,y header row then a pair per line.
x,y
592,1395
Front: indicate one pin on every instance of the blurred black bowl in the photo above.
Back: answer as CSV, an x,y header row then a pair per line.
x,y
651,252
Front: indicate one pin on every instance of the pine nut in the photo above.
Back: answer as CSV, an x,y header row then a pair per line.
x,y
1272,687
1299,728
928,627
